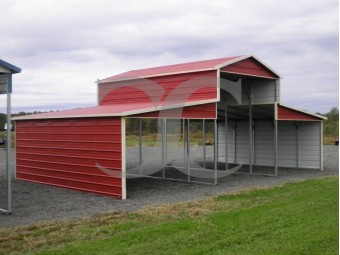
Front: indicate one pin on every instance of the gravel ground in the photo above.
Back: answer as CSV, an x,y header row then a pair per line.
x,y
34,203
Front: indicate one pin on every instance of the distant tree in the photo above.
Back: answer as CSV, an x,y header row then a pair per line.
x,y
2,121
331,125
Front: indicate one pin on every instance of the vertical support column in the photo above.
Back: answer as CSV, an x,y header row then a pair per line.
x,y
204,148
250,138
165,144
226,136
321,145
297,137
275,146
234,138
188,148
163,147
8,146
184,143
123,148
140,147
215,151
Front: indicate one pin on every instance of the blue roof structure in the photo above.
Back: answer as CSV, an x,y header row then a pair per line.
x,y
12,68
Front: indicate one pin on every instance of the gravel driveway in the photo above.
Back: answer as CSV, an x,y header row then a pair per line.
x,y
33,202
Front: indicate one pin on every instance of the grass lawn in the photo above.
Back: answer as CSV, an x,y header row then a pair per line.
x,y
296,218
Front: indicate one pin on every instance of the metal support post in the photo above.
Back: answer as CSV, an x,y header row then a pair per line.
x,y
165,142
226,137
188,148
8,148
297,137
321,145
215,151
140,147
234,138
8,155
204,148
250,138
163,148
275,146
184,142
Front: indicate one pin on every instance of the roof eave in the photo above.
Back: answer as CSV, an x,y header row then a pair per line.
x,y
12,68
305,112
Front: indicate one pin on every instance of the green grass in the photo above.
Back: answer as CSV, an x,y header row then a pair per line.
x,y
296,218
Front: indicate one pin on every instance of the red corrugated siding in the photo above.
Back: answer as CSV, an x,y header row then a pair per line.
x,y
249,67
205,111
161,90
65,152
284,113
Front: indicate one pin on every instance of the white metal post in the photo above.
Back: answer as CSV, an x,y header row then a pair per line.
x,y
275,145
204,148
250,138
215,151
297,144
234,138
188,149
226,136
8,147
140,146
163,148
321,145
184,143
165,142
123,148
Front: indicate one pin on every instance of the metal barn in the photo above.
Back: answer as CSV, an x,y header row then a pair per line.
x,y
236,98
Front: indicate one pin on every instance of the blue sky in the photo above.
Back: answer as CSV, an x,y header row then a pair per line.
x,y
64,46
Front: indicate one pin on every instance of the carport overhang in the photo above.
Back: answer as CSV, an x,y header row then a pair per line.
x,y
274,113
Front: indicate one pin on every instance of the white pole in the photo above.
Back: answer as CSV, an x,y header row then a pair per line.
x,y
8,146
140,147
226,137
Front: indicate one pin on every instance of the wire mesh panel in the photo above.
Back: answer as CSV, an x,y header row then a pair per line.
x,y
176,149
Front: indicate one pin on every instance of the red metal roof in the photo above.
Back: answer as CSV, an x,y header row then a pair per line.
x,y
99,111
289,113
171,69
107,111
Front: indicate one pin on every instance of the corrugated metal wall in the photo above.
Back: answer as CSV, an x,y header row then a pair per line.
x,y
263,91
198,86
264,143
310,144
298,145
284,113
65,152
222,141
250,67
287,144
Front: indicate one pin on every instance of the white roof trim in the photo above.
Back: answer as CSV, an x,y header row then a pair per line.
x,y
122,114
303,111
250,75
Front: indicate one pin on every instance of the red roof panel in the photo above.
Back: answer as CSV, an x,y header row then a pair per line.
x,y
170,69
289,113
